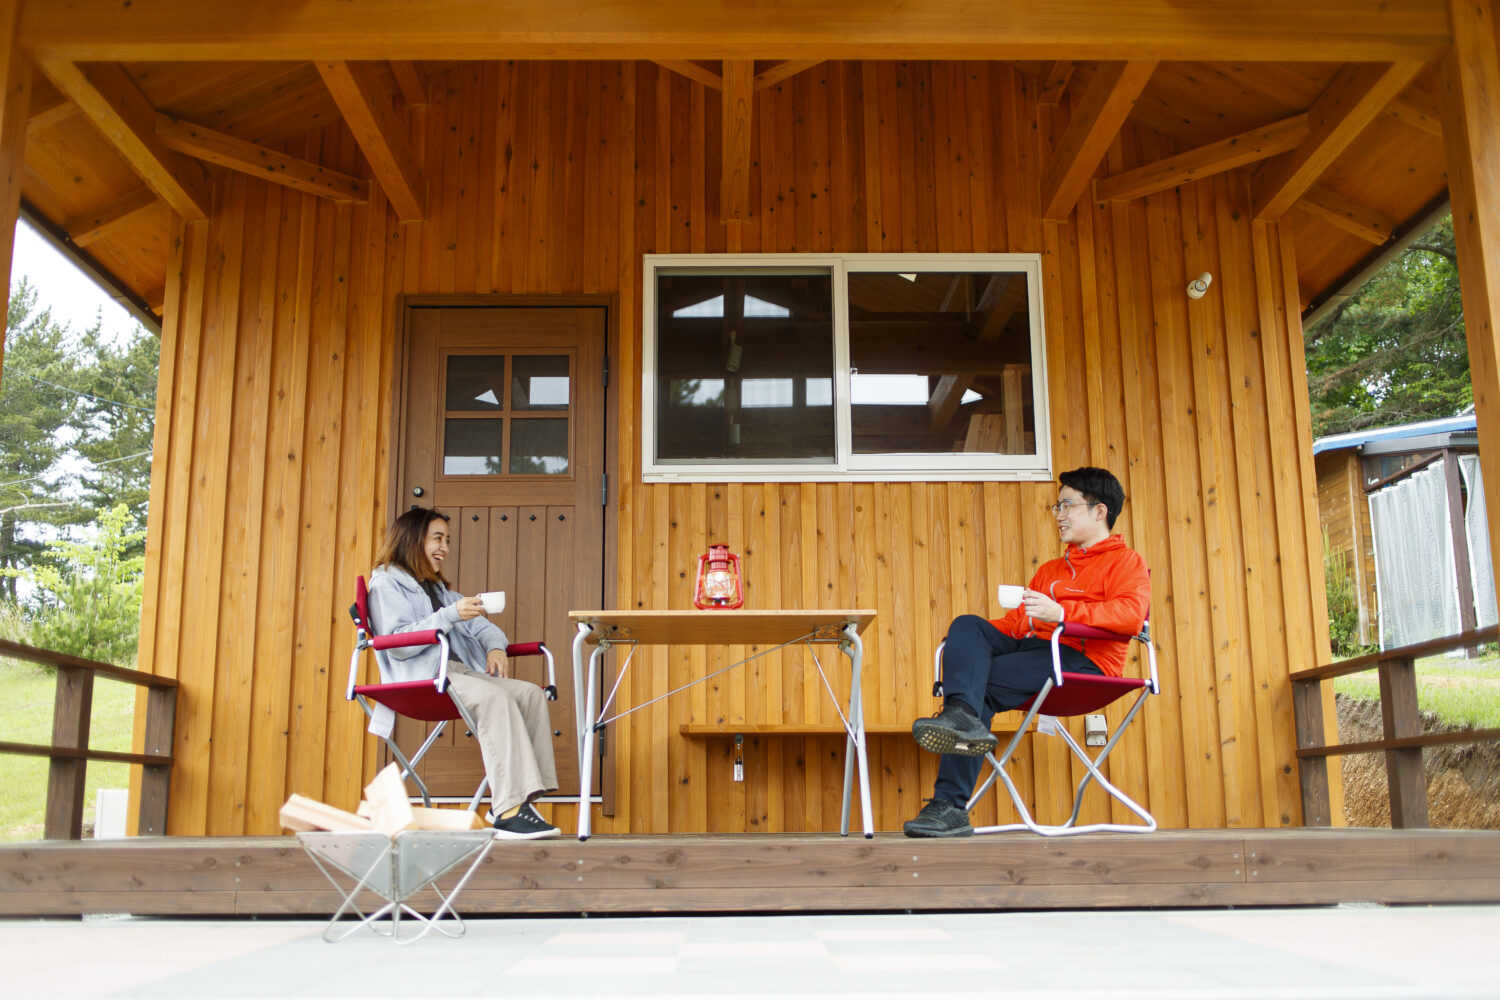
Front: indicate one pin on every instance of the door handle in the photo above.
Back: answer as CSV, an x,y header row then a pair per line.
x,y
417,491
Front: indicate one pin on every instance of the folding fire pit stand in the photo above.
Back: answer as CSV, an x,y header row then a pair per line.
x,y
397,869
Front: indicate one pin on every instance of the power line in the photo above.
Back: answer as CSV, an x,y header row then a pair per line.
x,y
107,461
79,392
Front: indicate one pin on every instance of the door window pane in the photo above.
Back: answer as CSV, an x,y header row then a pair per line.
x,y
472,447
539,446
736,356
940,362
539,382
475,382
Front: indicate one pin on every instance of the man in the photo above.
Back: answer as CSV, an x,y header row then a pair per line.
x,y
990,667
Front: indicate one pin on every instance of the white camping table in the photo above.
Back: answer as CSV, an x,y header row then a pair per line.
x,y
769,629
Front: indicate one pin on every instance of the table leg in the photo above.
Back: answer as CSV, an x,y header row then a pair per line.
x,y
854,648
583,713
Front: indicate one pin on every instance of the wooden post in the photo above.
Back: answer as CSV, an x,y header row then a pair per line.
x,y
1466,617
15,103
1403,766
1469,95
70,730
1307,710
156,779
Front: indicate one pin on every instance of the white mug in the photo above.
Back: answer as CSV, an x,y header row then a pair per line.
x,y
1009,595
494,601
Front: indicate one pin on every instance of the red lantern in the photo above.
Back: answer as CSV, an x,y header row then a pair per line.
x,y
718,580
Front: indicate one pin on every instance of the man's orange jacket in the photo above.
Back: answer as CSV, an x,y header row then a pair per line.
x,y
1105,585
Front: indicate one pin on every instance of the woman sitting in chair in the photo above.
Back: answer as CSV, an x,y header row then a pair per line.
x,y
408,593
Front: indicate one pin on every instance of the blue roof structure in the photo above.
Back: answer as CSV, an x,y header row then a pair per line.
x,y
1423,428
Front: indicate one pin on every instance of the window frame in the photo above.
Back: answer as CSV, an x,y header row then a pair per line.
x,y
848,466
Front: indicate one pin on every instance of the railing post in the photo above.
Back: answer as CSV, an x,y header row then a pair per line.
x,y
156,779
70,730
1307,711
1403,765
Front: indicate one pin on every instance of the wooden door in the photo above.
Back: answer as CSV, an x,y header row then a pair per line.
x,y
504,431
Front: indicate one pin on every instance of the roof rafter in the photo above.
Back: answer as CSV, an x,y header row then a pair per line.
x,y
1205,161
1351,101
368,111
1350,216
86,227
105,93
1096,120
259,161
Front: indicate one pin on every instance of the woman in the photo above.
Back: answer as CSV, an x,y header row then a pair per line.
x,y
408,593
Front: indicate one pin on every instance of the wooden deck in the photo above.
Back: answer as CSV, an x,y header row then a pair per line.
x,y
704,874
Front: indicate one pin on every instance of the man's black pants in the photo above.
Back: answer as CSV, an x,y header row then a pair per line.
x,y
992,672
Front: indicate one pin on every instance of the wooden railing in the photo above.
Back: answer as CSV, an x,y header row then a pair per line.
x,y
1402,740
69,750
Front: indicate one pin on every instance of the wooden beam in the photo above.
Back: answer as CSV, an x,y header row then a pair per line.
x,y
116,106
156,299
1056,83
368,111
1205,161
1096,120
1350,216
258,161
691,70
739,101
411,81
318,30
49,111
1419,109
86,227
783,71
1355,96
1469,92
15,76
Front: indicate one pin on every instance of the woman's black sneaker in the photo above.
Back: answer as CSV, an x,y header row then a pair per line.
x,y
954,730
939,819
526,824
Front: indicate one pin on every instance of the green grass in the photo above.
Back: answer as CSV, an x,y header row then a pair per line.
x,y
1458,694
26,699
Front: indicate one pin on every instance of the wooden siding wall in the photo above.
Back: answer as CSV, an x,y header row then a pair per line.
x,y
273,437
1344,515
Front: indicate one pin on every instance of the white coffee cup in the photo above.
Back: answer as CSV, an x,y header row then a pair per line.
x,y
494,601
1009,595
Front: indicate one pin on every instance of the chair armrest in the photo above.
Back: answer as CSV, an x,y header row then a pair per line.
x,y
400,639
537,649
1081,631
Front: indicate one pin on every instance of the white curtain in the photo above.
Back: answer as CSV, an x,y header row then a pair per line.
x,y
1477,530
1415,581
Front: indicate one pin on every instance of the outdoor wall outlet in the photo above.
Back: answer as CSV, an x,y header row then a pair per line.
x,y
1095,731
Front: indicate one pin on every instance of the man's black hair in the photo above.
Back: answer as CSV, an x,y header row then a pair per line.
x,y
1097,486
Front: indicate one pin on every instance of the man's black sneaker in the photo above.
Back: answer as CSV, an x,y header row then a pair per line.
x,y
526,824
939,819
954,730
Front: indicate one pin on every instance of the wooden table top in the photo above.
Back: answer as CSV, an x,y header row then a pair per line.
x,y
730,628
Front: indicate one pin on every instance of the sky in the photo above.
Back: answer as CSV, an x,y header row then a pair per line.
x,y
73,297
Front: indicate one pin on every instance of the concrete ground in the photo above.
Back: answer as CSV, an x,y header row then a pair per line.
x,y
1359,951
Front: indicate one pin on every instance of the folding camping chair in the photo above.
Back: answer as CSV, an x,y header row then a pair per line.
x,y
1068,694
427,701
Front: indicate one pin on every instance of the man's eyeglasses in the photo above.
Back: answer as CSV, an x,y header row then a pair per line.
x,y
1063,506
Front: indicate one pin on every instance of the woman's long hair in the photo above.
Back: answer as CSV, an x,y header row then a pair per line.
x,y
403,544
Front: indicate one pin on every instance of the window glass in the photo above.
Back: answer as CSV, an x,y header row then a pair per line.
x,y
539,382
735,357
539,446
472,447
940,362
475,382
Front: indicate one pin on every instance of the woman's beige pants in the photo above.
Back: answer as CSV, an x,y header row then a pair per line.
x,y
514,734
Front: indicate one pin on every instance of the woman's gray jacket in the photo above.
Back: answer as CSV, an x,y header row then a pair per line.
x,y
399,604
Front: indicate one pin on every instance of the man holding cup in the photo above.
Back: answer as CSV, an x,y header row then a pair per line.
x,y
995,666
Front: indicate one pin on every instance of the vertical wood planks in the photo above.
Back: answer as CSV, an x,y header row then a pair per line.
x,y
274,438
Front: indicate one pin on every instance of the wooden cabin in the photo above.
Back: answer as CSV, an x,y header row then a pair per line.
x,y
356,221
